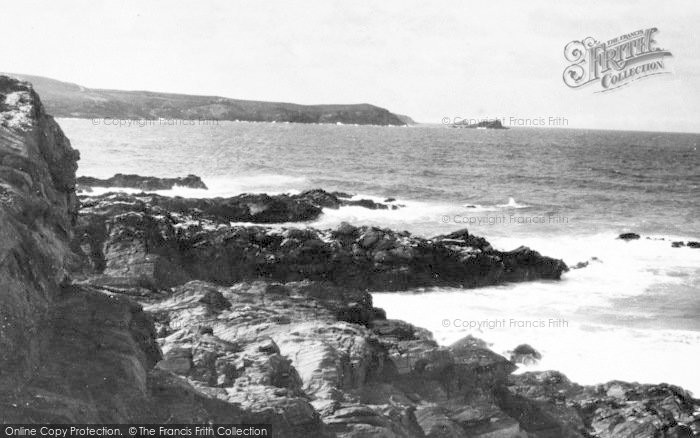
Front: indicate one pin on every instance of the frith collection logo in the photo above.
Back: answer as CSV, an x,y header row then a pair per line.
x,y
614,63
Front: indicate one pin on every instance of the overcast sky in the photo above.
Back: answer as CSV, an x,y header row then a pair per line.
x,y
426,59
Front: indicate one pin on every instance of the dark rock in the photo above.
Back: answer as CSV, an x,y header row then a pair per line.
x,y
242,208
398,330
345,230
615,409
525,264
215,301
628,236
129,241
677,244
469,341
463,238
147,183
256,208
368,203
94,364
390,200
692,244
681,431
525,354
320,198
335,200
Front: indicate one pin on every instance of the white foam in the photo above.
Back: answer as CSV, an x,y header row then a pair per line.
x,y
477,208
586,352
407,216
620,309
513,204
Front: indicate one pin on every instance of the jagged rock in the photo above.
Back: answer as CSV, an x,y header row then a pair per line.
x,y
129,241
615,409
242,208
335,200
147,183
332,362
463,238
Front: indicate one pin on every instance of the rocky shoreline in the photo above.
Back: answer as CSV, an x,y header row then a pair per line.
x,y
143,308
155,241
85,183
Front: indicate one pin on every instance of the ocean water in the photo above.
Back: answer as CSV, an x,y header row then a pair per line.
x,y
632,314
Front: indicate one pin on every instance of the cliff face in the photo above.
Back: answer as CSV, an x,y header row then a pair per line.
x,y
37,209
66,353
71,100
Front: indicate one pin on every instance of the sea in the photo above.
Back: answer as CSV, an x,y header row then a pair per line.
x,y
631,313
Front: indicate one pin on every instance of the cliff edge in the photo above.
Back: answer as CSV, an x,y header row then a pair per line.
x,y
38,207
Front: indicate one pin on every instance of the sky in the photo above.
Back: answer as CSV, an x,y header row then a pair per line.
x,y
426,59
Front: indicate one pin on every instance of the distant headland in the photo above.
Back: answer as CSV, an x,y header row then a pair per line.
x,y
64,99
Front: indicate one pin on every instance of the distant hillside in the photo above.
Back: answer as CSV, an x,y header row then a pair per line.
x,y
63,99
